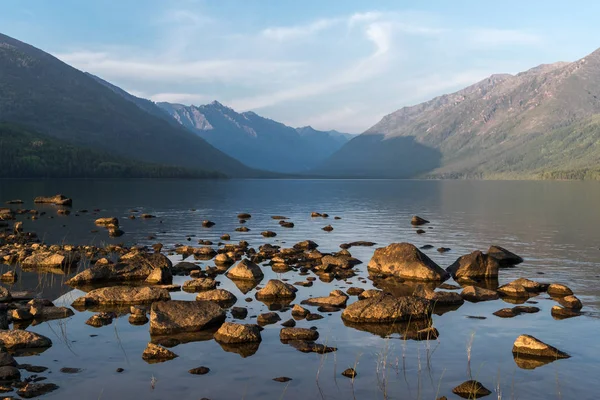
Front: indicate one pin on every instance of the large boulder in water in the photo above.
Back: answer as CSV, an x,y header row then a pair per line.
x,y
474,265
405,261
49,259
122,295
176,316
276,289
19,339
231,332
246,270
131,267
504,257
387,309
529,346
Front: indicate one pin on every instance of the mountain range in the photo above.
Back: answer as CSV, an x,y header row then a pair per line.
x,y
541,123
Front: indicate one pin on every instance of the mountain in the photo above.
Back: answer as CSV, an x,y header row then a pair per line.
x,y
541,123
257,141
28,154
44,94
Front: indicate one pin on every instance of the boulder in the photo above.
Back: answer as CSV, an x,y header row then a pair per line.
x,y
531,347
276,289
474,265
387,309
31,390
223,259
556,289
338,261
504,257
471,390
268,234
177,316
417,221
9,374
199,285
571,302
19,339
5,295
222,297
530,286
160,275
268,318
336,298
559,312
354,291
349,373
239,312
42,313
298,334
310,347
156,353
369,293
58,200
440,298
299,311
107,221
50,259
246,270
101,319
513,290
306,245
475,294
405,261
6,359
231,333
122,295
131,267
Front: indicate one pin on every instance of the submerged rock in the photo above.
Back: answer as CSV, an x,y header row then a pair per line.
x,y
122,295
231,333
176,316
311,347
405,261
32,390
337,298
155,353
199,371
474,265
530,346
476,294
440,298
387,309
298,334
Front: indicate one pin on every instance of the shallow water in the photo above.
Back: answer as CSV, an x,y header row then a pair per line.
x,y
553,225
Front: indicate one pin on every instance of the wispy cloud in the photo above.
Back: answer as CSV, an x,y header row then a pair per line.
x,y
500,37
283,33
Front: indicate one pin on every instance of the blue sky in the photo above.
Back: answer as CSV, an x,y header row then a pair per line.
x,y
330,64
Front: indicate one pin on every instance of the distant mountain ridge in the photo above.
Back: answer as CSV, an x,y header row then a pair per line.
x,y
42,93
257,141
544,122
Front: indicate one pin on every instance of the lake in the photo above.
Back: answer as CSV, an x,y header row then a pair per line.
x,y
552,225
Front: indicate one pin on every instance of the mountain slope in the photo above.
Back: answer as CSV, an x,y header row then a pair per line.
x,y
530,125
256,141
27,154
47,95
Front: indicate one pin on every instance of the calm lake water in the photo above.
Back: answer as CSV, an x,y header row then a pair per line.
x,y
552,225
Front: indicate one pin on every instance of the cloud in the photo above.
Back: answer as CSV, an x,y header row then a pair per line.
x,y
501,37
292,32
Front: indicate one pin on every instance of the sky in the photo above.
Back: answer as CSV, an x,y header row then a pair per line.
x,y
329,64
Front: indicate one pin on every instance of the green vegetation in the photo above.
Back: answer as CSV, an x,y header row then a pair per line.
x,y
26,154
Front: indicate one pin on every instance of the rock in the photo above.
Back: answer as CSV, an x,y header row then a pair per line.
x,y
531,347
369,293
199,371
286,224
35,369
306,245
58,200
122,295
475,294
313,317
160,276
208,224
443,249
147,216
505,258
506,313
21,314
268,234
199,285
421,231
556,289
225,237
231,332
49,259
571,302
9,373
334,299
429,333
223,259
242,229
276,289
36,389
68,370
278,217
339,261
184,268
298,334
131,267
4,295
156,353
42,313
387,309
349,373
471,390
354,291
239,312
18,339
327,228
530,286
474,265
246,270
222,297
101,319
7,360
244,216
176,316
447,286
440,298
18,228
299,311
311,347
416,221
290,323
513,290
8,277
107,221
405,261
282,379
268,318
559,312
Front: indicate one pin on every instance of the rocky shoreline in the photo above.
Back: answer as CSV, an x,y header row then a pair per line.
x,y
409,289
